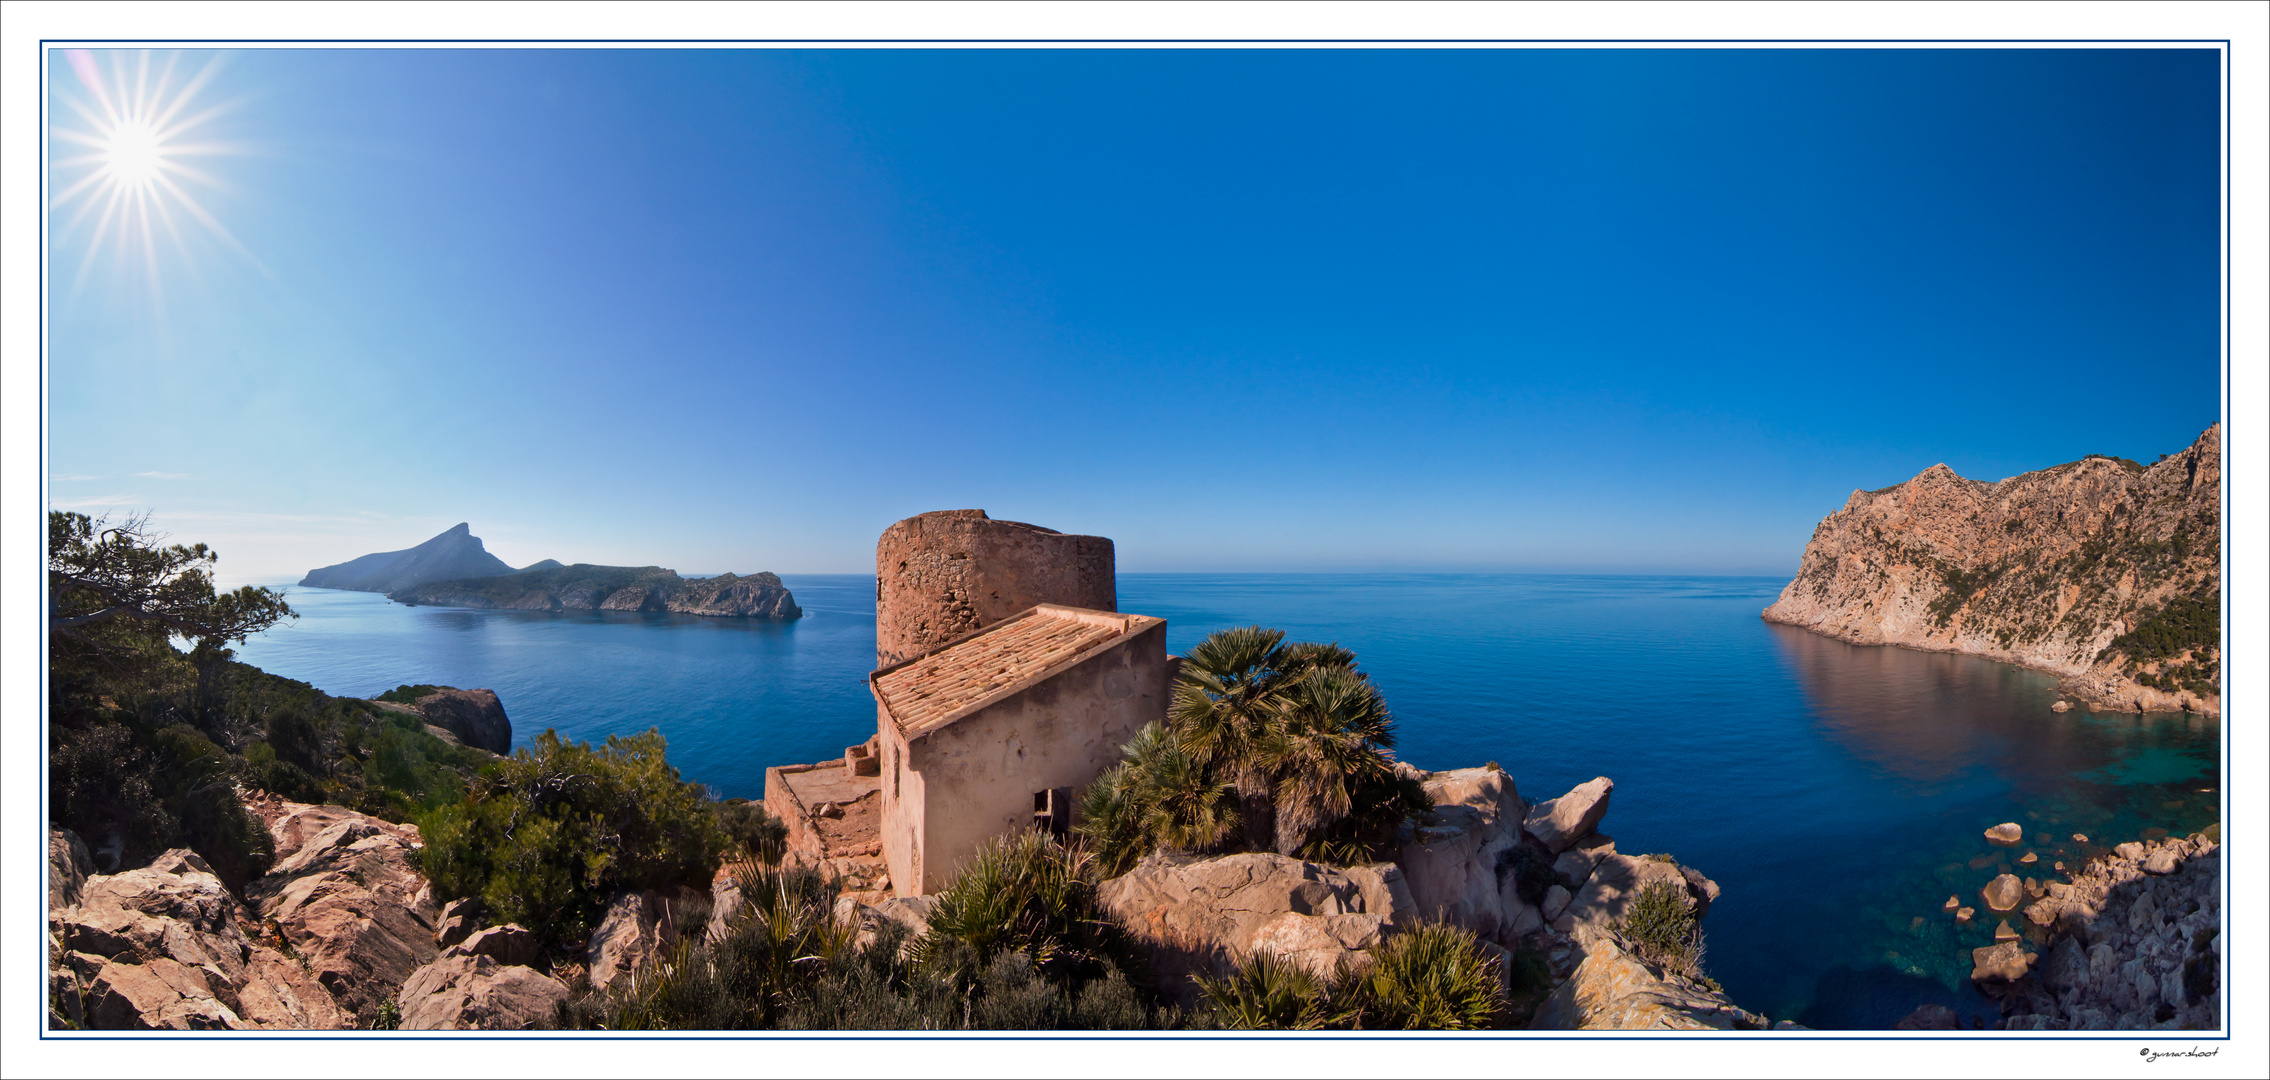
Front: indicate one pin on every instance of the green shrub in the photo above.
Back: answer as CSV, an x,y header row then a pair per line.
x,y
408,693
1431,977
546,837
1265,992
1662,928
1023,893
751,831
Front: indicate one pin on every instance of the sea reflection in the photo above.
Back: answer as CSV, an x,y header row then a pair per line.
x,y
1934,719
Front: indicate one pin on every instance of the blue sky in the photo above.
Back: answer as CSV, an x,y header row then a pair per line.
x,y
1564,310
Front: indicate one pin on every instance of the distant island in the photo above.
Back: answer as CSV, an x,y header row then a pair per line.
x,y
454,570
585,587
456,553
2104,571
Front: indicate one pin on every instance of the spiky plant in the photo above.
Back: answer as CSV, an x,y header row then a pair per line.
x,y
1266,992
1432,977
1022,893
1663,930
1330,728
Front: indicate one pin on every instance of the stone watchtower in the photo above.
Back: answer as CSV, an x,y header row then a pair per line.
x,y
946,573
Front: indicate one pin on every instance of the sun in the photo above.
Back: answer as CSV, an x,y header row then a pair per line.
x,y
134,124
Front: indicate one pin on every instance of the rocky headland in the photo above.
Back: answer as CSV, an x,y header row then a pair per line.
x,y
2102,571
456,553
586,587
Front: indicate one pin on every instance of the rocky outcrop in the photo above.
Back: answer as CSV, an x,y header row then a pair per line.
x,y
1200,915
2103,571
68,865
465,991
476,717
945,573
1560,823
2134,943
586,587
1458,860
163,948
346,896
454,554
637,927
1615,990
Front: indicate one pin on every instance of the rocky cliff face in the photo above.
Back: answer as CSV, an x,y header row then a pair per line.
x,y
2103,571
586,587
454,554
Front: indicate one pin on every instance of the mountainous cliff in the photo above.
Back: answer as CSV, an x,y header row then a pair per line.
x,y
456,553
585,587
2103,571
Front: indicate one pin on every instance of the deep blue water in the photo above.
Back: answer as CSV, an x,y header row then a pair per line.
x,y
1837,793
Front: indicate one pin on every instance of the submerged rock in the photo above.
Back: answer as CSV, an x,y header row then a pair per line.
x,y
2006,834
2004,893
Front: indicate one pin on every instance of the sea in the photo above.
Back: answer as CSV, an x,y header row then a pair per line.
x,y
1837,793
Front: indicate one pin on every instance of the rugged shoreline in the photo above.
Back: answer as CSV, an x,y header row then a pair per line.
x,y
2103,572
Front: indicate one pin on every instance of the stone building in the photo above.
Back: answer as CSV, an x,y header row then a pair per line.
x,y
945,573
1002,728
1006,683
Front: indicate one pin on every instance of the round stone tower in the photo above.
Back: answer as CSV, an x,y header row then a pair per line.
x,y
945,573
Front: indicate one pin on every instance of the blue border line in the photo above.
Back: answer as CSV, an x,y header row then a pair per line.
x,y
2229,250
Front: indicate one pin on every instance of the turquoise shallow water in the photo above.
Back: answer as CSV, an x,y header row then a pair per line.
x,y
1837,793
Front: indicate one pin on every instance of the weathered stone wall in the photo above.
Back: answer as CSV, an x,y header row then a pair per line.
x,y
945,573
979,773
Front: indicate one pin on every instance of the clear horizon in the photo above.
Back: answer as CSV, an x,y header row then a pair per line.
x,y
1493,310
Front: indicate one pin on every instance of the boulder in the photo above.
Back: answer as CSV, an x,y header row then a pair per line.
x,y
1200,915
1456,863
68,865
637,927
1964,915
2163,860
478,993
350,902
510,944
2006,834
171,909
1322,944
1556,901
2002,932
2004,893
1994,967
1951,904
1930,1018
1561,822
458,919
1617,881
476,717
1612,990
157,994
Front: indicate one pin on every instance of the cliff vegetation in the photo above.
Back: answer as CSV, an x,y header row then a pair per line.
x,y
589,587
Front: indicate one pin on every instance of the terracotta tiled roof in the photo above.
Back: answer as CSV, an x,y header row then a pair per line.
x,y
936,688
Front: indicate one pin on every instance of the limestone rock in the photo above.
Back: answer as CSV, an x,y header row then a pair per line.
x,y
1199,915
351,902
637,927
458,919
1451,864
2006,834
1964,915
2163,860
157,994
68,865
1561,822
477,993
475,716
1556,901
509,944
1323,944
2004,893
2003,932
1995,966
1617,881
1930,1018
1612,990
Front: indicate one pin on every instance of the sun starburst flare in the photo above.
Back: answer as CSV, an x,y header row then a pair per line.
x,y
136,125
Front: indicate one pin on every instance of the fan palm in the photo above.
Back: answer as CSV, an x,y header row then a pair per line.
x,y
1329,728
1226,702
